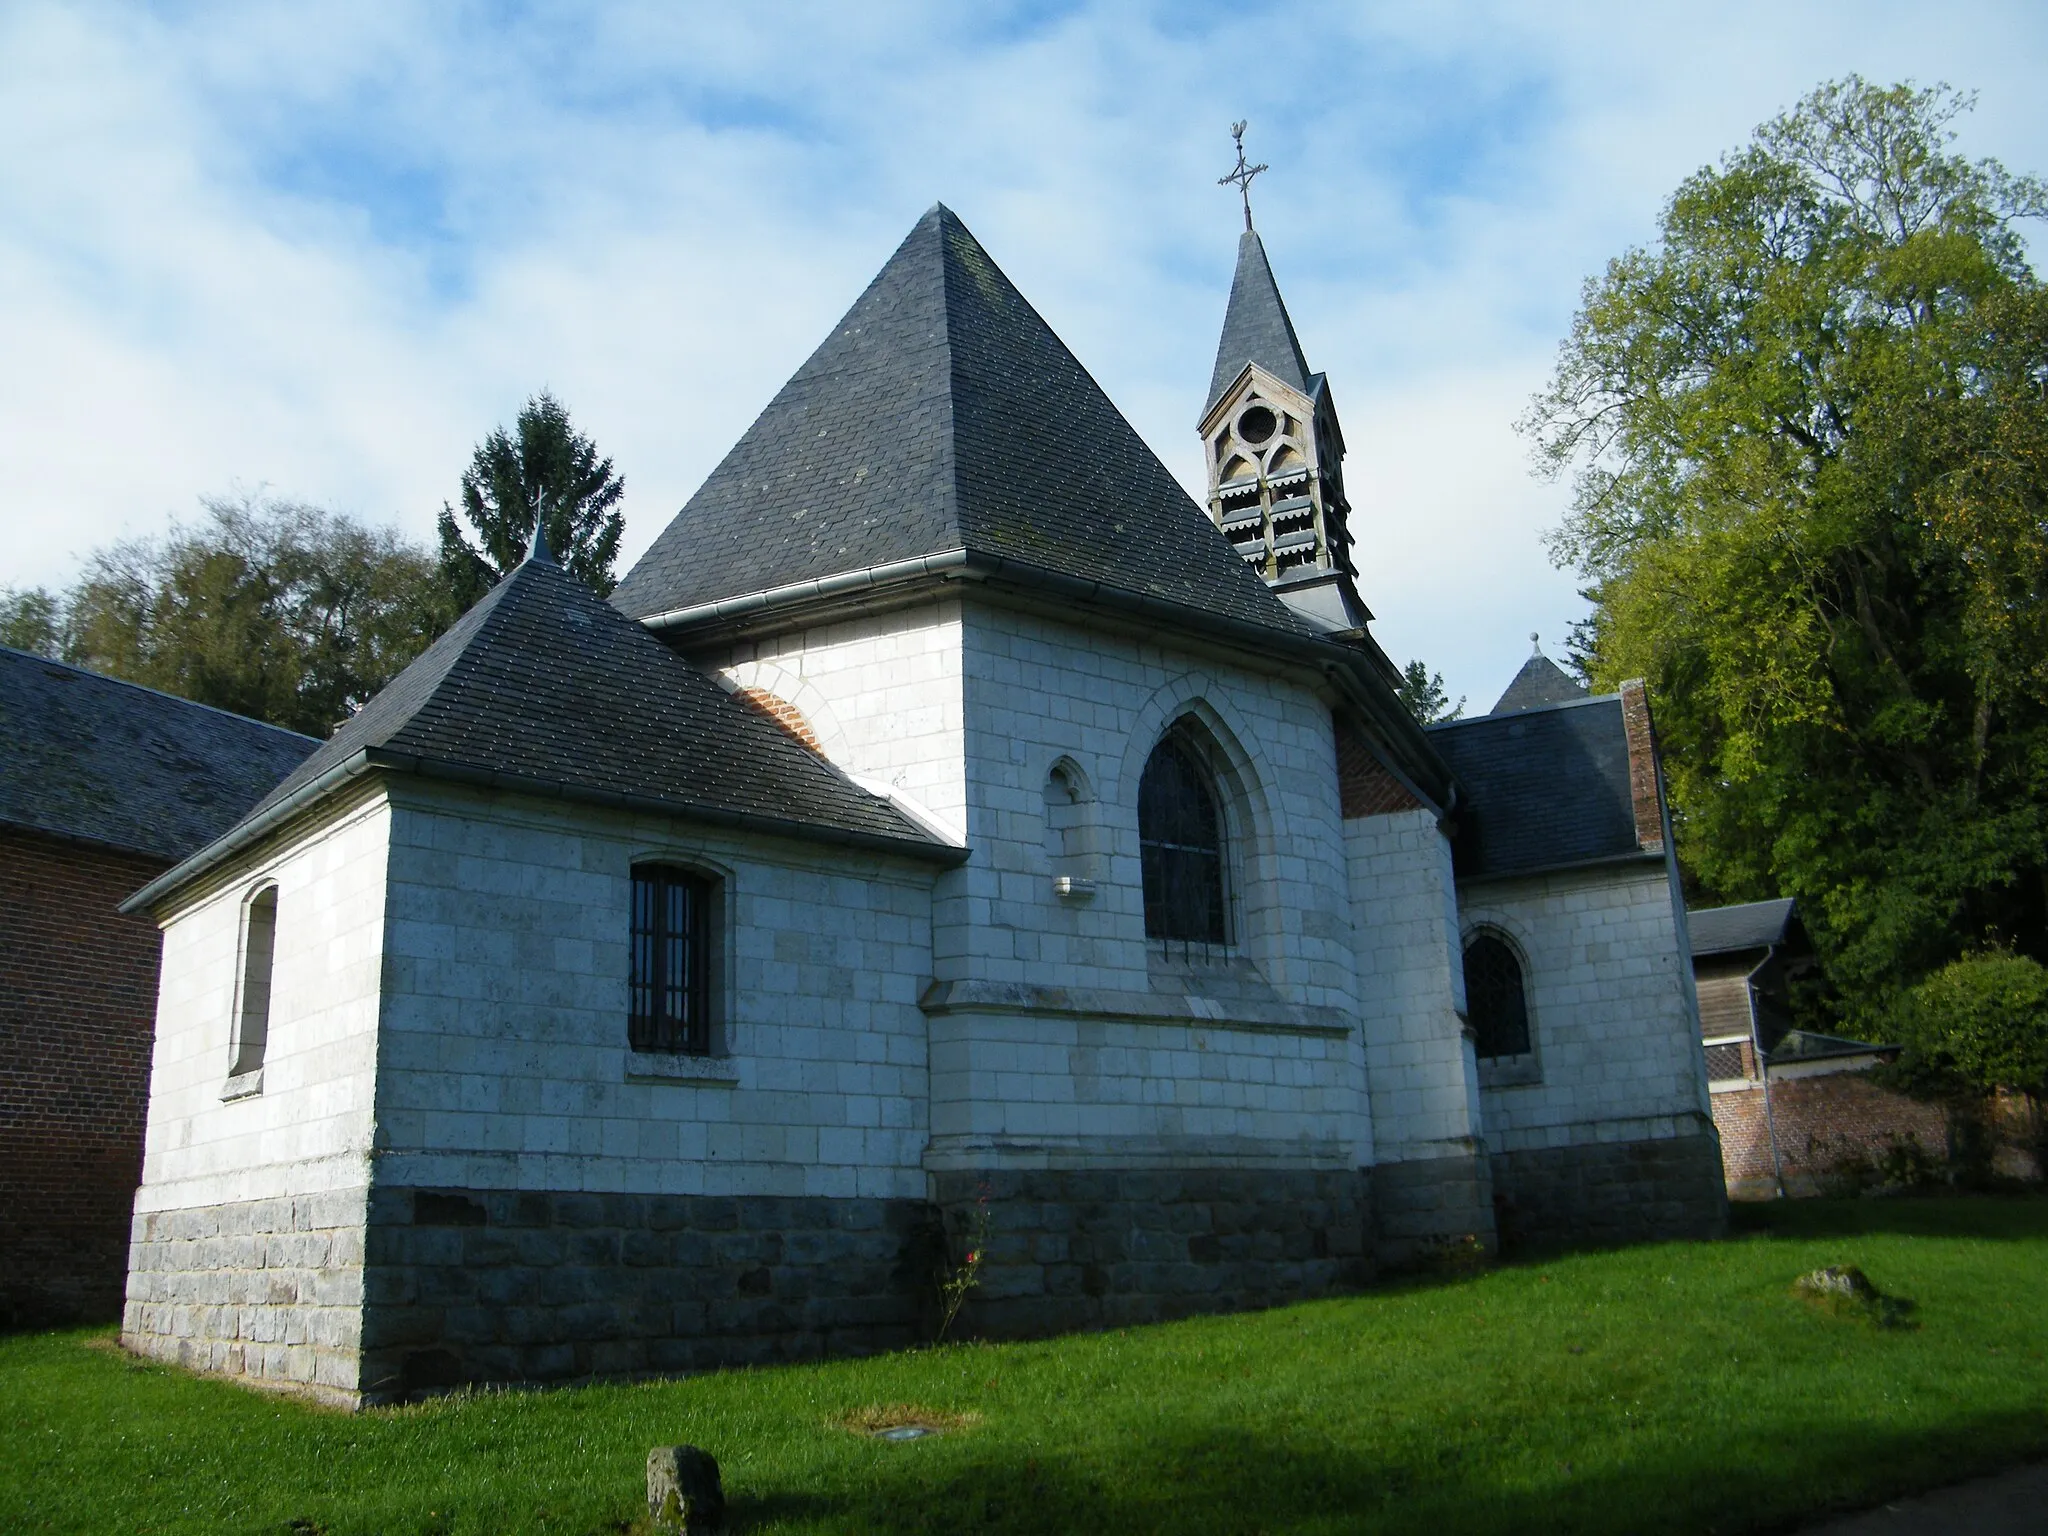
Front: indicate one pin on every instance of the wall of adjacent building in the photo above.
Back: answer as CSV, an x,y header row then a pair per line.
x,y
77,998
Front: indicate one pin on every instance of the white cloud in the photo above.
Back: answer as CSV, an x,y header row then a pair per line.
x,y
327,249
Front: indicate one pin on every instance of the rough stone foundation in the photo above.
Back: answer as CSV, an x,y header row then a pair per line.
x,y
500,1286
1426,1205
268,1290
1074,1249
1601,1193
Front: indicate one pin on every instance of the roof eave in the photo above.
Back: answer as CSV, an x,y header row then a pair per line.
x,y
1571,866
247,832
1349,668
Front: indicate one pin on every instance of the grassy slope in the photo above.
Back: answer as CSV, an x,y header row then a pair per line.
x,y
1675,1388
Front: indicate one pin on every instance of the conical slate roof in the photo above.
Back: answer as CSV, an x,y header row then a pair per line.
x,y
1541,681
943,414
545,687
1256,328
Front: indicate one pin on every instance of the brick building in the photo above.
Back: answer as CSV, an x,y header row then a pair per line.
x,y
1796,1109
943,803
103,786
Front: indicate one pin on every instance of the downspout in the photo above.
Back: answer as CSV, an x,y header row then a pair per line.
x,y
1763,1068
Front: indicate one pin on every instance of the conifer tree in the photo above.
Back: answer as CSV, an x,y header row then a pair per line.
x,y
543,462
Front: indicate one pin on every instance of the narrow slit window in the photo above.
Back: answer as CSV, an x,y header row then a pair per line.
x,y
1495,1001
259,951
1180,846
671,983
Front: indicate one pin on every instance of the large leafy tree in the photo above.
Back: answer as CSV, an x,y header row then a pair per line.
x,y
1809,442
543,463
268,608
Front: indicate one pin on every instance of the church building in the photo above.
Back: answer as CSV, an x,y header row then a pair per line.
x,y
946,814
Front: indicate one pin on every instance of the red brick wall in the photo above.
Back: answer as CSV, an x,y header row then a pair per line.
x,y
77,1013
1825,1126
1643,789
1364,786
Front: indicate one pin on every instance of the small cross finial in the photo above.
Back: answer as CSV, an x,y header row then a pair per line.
x,y
1241,176
1535,643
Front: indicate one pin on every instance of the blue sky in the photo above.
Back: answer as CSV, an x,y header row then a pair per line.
x,y
322,250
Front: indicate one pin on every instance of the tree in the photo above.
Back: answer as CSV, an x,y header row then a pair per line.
x,y
268,608
1976,1025
1421,692
29,620
1809,443
544,462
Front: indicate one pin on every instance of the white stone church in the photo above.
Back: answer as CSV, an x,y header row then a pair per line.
x,y
945,806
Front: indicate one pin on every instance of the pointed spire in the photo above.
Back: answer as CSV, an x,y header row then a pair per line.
x,y
1256,327
537,547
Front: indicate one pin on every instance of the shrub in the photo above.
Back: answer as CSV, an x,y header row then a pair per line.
x,y
1980,1024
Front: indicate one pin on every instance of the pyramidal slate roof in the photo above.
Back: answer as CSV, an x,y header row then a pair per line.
x,y
1749,925
545,687
1256,327
102,761
1541,681
1543,788
942,414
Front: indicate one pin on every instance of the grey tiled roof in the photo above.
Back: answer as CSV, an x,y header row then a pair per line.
x,y
89,757
1256,327
1750,925
942,414
1541,681
1541,789
544,685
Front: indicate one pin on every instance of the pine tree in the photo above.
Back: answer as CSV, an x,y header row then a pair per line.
x,y
544,462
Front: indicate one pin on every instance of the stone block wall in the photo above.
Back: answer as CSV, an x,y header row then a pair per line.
x,y
503,1058
1612,1019
1102,1248
306,1125
269,1291
554,1286
1599,1193
77,1001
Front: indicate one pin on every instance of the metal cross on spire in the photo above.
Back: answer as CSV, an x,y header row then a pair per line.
x,y
1241,177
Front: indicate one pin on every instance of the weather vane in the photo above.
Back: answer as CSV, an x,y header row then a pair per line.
x,y
1241,177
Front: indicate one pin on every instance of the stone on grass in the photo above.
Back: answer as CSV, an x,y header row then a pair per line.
x,y
683,1491
1843,1280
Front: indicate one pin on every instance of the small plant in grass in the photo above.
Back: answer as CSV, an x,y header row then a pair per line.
x,y
1843,1290
956,1280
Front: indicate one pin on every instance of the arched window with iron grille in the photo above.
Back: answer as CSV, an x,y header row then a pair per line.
x,y
1496,1004
1180,844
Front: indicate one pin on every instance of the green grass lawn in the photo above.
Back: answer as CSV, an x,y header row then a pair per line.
x,y
1672,1388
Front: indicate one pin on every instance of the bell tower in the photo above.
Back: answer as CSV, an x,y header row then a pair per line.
x,y
1272,447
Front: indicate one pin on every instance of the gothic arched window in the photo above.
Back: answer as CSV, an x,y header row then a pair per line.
x,y
1495,1002
1180,845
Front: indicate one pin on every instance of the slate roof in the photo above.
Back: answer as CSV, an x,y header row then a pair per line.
x,y
1750,925
1256,327
93,758
943,414
1541,681
545,687
1543,788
